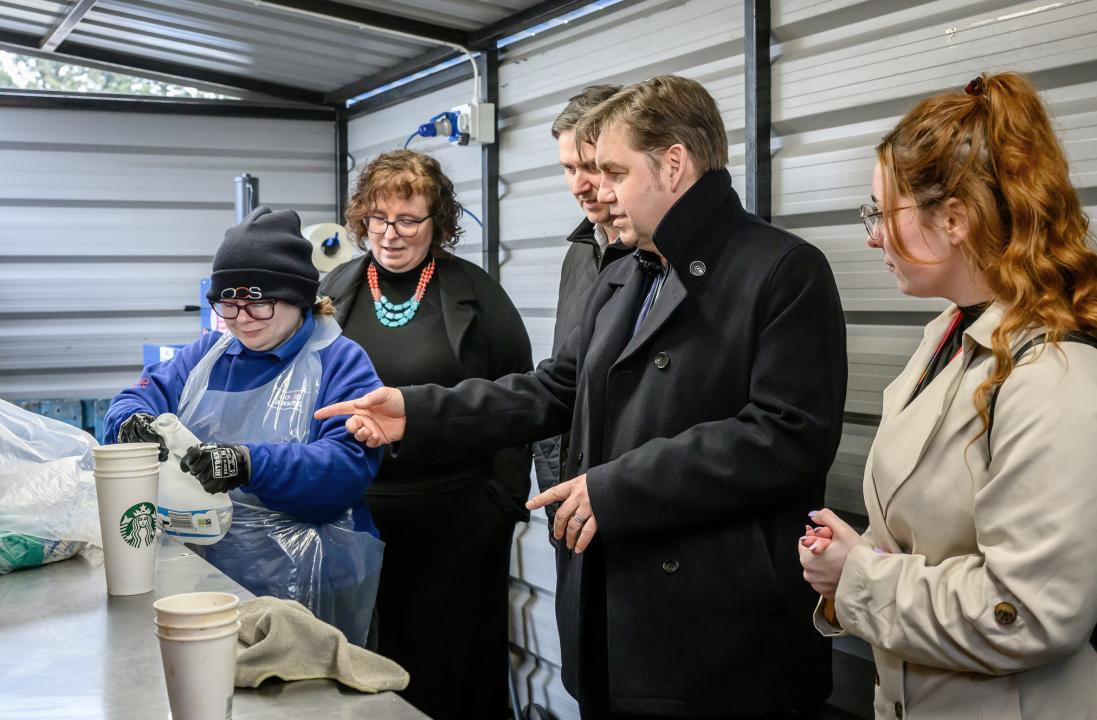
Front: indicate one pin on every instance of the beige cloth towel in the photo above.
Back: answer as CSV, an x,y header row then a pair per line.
x,y
281,638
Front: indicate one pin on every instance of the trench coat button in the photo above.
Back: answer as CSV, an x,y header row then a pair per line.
x,y
670,567
898,710
579,457
697,268
1005,613
662,360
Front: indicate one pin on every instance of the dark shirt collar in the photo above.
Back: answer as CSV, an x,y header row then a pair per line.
x,y
284,351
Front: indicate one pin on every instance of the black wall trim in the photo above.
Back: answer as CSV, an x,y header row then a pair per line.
x,y
756,30
171,106
342,182
489,168
916,318
373,19
864,419
542,12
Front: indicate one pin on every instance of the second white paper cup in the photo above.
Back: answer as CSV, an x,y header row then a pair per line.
x,y
196,609
199,673
194,633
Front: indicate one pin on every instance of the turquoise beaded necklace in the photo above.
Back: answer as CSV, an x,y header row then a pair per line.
x,y
389,313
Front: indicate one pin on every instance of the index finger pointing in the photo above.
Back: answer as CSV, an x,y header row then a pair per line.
x,y
553,494
341,408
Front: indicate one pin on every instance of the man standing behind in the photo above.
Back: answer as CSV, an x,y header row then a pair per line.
x,y
704,390
591,249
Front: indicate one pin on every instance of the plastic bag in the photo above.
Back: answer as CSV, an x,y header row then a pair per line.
x,y
329,568
48,509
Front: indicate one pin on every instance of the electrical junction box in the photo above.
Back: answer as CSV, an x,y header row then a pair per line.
x,y
475,123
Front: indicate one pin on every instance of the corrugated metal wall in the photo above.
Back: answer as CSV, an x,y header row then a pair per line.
x,y
109,220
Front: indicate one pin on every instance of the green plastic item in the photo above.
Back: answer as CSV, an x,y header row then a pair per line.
x,y
27,551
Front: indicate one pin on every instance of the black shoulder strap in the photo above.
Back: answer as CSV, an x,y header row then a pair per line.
x,y
1038,340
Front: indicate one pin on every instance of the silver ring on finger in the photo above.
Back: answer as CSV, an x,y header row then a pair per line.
x,y
578,519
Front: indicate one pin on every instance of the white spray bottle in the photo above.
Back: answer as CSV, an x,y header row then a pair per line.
x,y
187,512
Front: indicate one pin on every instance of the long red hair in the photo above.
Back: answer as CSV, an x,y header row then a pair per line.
x,y
993,148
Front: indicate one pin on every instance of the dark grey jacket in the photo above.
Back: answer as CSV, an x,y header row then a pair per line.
x,y
582,263
706,438
486,332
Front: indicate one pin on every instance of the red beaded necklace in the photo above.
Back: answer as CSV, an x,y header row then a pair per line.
x,y
390,314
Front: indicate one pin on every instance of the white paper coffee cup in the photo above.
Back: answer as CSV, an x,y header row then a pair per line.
x,y
127,519
196,609
126,456
199,674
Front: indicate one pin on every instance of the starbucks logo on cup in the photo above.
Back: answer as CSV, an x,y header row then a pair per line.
x,y
138,525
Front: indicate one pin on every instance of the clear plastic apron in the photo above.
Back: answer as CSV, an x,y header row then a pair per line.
x,y
329,568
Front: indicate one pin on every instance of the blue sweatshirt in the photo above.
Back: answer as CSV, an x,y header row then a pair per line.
x,y
312,481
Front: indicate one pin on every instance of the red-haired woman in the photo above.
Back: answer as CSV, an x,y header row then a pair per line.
x,y
976,583
427,316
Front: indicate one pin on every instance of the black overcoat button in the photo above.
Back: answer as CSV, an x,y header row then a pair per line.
x,y
662,360
670,567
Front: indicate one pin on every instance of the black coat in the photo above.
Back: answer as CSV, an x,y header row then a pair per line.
x,y
706,438
582,263
485,331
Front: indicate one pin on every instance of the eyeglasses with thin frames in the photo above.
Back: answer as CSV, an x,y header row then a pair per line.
x,y
873,217
405,226
261,310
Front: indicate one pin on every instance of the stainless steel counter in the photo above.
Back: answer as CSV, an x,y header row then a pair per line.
x,y
68,651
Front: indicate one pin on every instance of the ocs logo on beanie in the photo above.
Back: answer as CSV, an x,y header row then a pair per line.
x,y
265,258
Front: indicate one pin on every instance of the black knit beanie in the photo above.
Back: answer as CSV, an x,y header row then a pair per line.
x,y
263,258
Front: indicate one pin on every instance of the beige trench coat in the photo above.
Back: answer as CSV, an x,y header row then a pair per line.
x,y
984,603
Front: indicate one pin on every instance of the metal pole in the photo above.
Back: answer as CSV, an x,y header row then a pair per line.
x,y
247,195
342,189
756,31
489,171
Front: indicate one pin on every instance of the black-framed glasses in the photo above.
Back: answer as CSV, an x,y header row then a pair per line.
x,y
405,226
259,310
873,217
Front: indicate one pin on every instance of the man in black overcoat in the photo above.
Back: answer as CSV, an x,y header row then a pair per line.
x,y
704,389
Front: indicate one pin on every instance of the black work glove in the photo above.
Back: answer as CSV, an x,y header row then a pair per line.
x,y
218,466
138,428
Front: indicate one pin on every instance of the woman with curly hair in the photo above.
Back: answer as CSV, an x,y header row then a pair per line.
x,y
427,316
976,583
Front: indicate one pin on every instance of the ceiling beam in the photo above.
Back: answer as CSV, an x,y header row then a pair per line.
x,y
420,62
435,81
523,19
68,23
53,100
478,39
373,19
174,72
